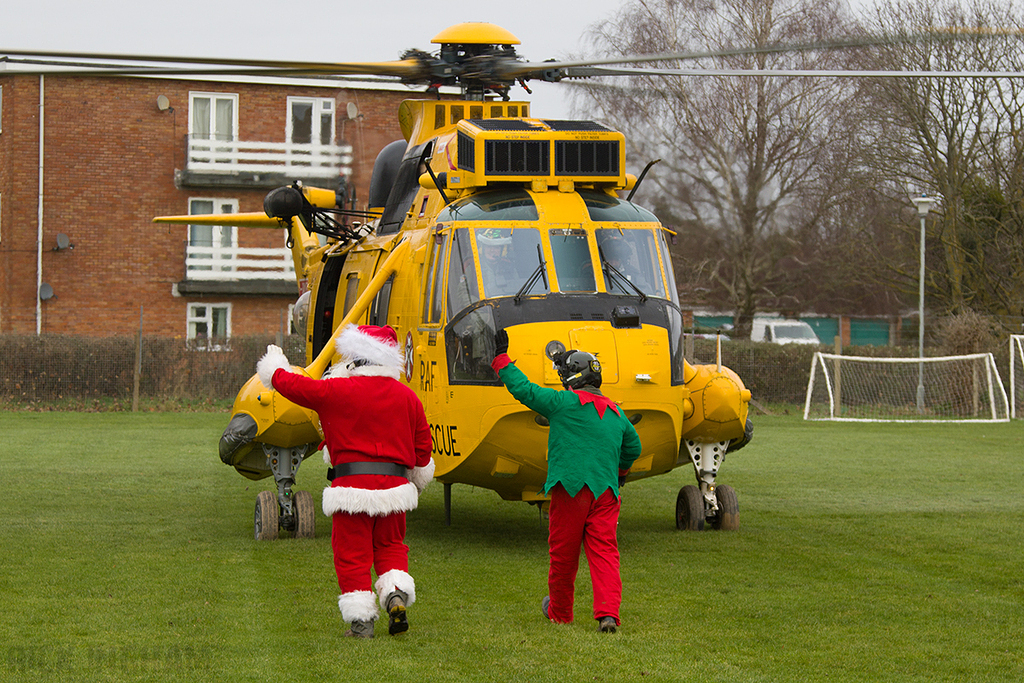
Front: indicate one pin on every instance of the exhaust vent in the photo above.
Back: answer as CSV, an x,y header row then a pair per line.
x,y
517,157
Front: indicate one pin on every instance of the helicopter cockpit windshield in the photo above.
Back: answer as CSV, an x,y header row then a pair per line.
x,y
502,256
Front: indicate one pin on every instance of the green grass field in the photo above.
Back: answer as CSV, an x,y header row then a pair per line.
x,y
865,553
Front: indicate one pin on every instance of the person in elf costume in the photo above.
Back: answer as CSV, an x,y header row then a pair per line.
x,y
591,446
378,444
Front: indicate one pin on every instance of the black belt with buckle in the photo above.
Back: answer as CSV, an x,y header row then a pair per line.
x,y
347,469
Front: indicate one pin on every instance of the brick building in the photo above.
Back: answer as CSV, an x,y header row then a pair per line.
x,y
86,162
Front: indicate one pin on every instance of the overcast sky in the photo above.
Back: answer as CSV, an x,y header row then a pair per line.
x,y
344,31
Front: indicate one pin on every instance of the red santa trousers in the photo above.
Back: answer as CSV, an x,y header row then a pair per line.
x,y
362,541
576,520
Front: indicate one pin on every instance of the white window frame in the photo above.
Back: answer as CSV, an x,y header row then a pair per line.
x,y
208,149
191,318
1,109
221,251
213,97
321,106
316,147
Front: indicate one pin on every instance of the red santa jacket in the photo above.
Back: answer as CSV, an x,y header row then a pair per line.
x,y
367,416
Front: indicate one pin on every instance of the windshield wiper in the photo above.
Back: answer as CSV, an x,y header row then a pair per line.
x,y
539,272
618,277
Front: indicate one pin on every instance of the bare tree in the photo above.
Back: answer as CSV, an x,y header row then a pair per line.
x,y
959,138
750,162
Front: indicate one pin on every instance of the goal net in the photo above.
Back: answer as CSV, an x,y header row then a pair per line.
x,y
947,389
1017,375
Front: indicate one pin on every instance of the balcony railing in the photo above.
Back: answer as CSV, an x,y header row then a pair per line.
x,y
238,263
257,158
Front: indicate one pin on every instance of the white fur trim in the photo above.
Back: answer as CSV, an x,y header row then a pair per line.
x,y
375,503
358,606
421,476
327,456
376,371
393,580
342,370
353,344
336,370
272,361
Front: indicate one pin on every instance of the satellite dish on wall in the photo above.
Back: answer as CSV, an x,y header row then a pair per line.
x,y
352,110
63,242
46,292
162,103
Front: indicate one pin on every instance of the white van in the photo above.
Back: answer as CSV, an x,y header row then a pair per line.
x,y
782,331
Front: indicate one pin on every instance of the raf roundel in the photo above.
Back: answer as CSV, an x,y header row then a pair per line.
x,y
408,357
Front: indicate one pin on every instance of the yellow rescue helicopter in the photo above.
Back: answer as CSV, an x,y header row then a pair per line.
x,y
485,217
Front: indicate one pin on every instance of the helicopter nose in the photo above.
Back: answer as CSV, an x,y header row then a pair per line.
x,y
722,398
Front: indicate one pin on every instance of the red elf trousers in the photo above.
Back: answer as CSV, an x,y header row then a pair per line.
x,y
576,520
361,542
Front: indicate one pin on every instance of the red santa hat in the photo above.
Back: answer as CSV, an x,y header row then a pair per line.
x,y
372,345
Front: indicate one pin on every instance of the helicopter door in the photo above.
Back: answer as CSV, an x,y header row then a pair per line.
x,y
381,302
429,354
359,270
325,297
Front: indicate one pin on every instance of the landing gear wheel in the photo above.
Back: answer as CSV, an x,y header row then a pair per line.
x,y
267,517
305,516
690,509
728,518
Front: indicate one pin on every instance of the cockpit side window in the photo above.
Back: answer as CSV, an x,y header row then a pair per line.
x,y
462,284
670,274
433,290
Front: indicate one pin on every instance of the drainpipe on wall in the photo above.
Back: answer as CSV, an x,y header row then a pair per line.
x,y
39,218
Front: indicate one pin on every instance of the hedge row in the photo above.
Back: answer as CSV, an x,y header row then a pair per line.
x,y
52,368
59,367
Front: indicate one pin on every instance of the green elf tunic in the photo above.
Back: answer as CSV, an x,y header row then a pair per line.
x,y
590,442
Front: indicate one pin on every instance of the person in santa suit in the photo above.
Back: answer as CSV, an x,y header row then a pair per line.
x,y
378,443
591,446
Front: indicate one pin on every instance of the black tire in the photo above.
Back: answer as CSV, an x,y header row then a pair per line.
x,y
305,515
728,518
267,517
690,509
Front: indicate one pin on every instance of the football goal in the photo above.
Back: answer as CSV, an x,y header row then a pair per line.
x,y
1017,375
947,389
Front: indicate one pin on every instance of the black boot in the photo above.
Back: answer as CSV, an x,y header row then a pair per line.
x,y
398,620
360,629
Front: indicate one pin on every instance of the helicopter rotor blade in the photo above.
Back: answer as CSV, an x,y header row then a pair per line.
x,y
578,68
498,69
403,68
587,72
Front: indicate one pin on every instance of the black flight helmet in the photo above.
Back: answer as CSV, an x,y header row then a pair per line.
x,y
578,368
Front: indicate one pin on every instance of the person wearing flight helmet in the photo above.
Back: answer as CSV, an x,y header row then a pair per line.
x,y
496,266
591,446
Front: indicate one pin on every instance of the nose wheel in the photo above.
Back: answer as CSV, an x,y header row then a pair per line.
x,y
707,503
287,511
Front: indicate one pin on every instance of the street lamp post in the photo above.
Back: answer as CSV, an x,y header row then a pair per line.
x,y
924,205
